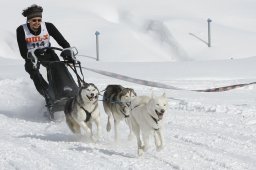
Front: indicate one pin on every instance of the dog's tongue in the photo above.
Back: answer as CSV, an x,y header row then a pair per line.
x,y
90,98
160,116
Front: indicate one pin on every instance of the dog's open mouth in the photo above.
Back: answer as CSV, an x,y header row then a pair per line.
x,y
124,112
160,114
92,97
128,104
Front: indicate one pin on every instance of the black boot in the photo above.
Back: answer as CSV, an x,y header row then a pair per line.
x,y
49,104
48,101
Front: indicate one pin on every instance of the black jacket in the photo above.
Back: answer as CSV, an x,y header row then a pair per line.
x,y
52,30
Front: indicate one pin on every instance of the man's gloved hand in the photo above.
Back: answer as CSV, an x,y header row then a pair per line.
x,y
39,52
67,55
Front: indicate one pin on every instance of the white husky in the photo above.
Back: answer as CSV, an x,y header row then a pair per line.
x,y
83,109
147,119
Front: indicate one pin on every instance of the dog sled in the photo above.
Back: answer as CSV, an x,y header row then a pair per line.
x,y
62,85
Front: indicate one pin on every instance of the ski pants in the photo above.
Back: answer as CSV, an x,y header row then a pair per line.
x,y
40,83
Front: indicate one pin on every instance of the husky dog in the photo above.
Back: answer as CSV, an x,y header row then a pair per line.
x,y
116,103
83,109
147,119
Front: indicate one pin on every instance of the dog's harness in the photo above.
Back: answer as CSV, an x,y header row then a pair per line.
x,y
135,107
88,114
156,123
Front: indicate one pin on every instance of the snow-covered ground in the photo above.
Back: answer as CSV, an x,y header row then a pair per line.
x,y
160,41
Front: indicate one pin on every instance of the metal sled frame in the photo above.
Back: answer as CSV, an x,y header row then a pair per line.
x,y
59,104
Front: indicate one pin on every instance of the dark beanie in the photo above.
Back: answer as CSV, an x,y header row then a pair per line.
x,y
32,11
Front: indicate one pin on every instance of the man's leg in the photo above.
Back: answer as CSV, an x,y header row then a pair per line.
x,y
40,83
37,78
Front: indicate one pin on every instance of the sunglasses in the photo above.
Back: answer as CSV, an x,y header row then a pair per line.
x,y
36,20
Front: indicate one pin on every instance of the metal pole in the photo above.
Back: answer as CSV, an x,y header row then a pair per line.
x,y
97,33
209,32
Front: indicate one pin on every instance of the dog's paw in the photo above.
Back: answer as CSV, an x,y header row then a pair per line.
x,y
145,148
108,128
140,152
159,148
88,131
94,139
99,135
99,132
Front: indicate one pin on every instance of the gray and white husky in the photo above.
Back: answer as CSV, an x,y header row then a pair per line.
x,y
116,103
147,119
82,110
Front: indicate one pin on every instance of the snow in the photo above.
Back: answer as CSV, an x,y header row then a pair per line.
x,y
159,41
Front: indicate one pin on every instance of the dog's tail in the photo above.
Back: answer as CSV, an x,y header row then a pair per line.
x,y
68,107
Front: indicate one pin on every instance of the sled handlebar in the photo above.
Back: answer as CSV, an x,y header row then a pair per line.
x,y
31,53
73,51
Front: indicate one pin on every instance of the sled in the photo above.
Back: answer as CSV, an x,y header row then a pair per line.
x,y
62,85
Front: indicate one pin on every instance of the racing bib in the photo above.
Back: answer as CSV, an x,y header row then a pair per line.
x,y
37,41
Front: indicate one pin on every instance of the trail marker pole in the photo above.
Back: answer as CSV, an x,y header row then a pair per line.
x,y
97,33
209,32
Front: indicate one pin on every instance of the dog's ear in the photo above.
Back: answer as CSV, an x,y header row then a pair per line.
x,y
133,91
164,94
84,84
97,89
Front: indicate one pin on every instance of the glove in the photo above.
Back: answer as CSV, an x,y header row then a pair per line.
x,y
67,55
39,52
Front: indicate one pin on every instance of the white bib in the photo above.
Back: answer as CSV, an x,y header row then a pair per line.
x,y
37,41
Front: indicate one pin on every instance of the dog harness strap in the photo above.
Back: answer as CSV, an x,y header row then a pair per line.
x,y
135,107
88,114
156,123
154,119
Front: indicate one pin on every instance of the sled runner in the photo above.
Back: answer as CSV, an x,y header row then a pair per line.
x,y
62,86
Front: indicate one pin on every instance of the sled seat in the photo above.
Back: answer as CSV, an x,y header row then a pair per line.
x,y
59,105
